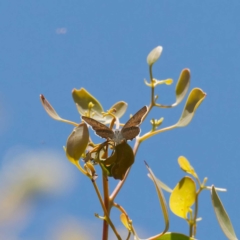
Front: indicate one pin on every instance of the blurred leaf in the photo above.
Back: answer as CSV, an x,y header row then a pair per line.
x,y
182,85
185,166
49,109
82,98
77,142
222,216
173,236
124,221
154,55
124,159
161,184
120,107
161,198
195,98
183,197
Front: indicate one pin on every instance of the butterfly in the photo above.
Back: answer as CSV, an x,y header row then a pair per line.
x,y
129,131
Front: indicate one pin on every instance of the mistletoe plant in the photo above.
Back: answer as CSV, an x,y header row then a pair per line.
x,y
113,157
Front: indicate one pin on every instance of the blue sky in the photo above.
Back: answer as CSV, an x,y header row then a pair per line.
x,y
51,47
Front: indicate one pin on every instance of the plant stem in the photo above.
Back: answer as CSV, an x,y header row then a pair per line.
x,y
121,209
192,230
150,134
106,204
137,143
79,167
70,122
152,88
135,149
107,219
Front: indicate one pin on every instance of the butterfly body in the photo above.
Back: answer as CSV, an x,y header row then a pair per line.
x,y
118,137
129,131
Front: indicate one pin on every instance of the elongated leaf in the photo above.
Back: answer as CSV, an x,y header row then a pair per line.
x,y
82,98
161,184
195,98
161,199
183,197
124,221
77,142
173,236
49,109
182,85
222,216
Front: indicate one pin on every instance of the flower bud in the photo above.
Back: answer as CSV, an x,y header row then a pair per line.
x,y
154,55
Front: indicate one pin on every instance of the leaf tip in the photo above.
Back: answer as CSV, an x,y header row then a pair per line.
x,y
42,98
186,70
146,164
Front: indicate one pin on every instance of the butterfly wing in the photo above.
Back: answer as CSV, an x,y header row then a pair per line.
x,y
100,129
136,119
130,133
130,130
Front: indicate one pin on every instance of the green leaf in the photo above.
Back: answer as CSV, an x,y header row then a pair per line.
x,y
120,107
82,98
222,216
195,98
161,199
173,236
122,159
182,197
182,85
77,142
